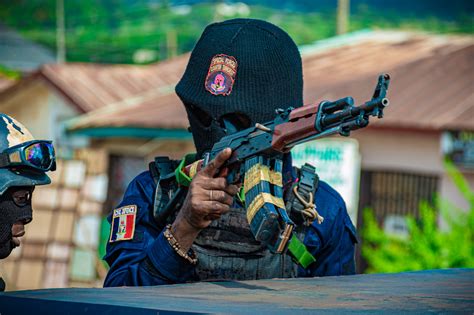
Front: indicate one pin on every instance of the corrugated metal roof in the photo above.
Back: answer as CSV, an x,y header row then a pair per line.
x,y
5,83
432,78
431,81
93,86
161,111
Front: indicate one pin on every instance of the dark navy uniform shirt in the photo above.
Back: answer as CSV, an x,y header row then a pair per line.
x,y
148,258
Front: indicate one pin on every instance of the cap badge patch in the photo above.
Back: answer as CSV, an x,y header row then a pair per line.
x,y
123,223
221,75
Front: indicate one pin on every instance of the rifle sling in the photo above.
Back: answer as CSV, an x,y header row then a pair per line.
x,y
299,252
306,185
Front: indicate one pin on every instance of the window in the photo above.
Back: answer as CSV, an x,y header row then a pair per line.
x,y
392,196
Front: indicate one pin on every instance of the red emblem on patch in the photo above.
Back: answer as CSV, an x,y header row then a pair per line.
x,y
221,75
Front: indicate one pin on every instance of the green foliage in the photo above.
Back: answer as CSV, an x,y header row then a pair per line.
x,y
9,73
427,245
112,31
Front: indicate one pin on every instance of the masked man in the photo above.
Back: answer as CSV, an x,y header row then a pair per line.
x,y
24,162
239,73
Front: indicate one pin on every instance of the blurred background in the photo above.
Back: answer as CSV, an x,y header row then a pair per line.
x,y
98,78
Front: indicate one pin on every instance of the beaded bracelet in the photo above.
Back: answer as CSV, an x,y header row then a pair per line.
x,y
191,257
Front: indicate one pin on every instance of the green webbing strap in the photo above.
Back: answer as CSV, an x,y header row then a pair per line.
x,y
300,253
181,177
185,180
241,195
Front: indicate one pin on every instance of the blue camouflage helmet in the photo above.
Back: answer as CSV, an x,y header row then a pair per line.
x,y
13,133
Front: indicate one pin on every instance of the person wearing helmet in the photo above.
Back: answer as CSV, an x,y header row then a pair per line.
x,y
24,162
240,70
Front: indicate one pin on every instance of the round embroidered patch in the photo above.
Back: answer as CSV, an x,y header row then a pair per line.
x,y
221,75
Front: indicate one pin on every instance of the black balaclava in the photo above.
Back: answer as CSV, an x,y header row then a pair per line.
x,y
10,213
242,66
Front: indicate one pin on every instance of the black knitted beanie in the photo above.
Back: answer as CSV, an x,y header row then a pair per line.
x,y
240,66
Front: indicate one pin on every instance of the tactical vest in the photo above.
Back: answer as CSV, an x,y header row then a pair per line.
x,y
227,250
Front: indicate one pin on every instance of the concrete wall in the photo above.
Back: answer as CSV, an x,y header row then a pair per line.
x,y
400,150
30,107
409,151
41,110
449,190
61,111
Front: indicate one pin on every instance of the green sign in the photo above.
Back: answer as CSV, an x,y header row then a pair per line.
x,y
337,162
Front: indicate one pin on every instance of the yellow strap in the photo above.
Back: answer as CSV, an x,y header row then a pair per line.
x,y
193,169
259,201
260,172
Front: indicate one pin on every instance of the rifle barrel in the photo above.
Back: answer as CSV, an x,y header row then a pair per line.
x,y
353,111
331,107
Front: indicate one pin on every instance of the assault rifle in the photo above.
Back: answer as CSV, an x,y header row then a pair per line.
x,y
256,152
299,125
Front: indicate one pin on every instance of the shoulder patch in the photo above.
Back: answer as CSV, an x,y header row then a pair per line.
x,y
221,75
123,223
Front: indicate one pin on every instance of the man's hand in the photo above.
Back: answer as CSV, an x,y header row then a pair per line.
x,y
209,196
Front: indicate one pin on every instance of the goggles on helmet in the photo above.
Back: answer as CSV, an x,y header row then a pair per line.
x,y
36,154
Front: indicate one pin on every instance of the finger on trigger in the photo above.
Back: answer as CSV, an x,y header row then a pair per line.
x,y
213,166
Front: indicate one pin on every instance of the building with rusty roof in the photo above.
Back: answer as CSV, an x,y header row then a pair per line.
x,y
346,65
135,107
132,113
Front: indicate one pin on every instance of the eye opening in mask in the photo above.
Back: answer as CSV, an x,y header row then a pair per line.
x,y
234,122
21,196
203,118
